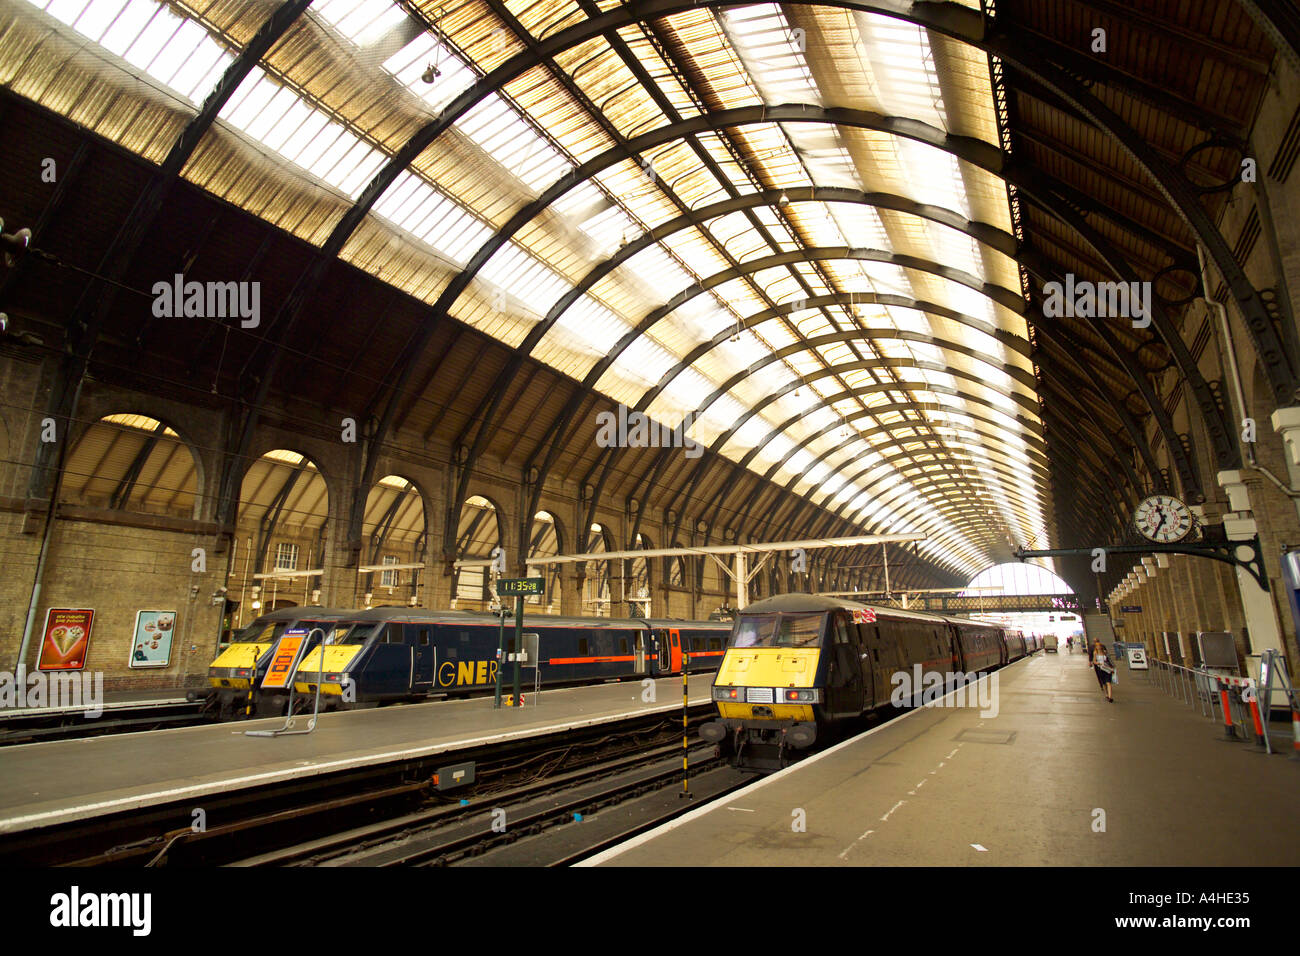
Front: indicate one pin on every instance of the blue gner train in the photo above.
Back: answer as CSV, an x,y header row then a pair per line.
x,y
389,654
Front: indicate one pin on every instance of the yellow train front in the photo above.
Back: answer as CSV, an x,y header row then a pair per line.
x,y
798,664
781,680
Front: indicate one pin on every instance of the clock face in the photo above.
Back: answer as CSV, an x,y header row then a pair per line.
x,y
1163,519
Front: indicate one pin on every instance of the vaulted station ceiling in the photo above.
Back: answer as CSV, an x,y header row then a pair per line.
x,y
816,232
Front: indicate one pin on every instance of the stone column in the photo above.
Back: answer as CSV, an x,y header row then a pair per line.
x,y
1240,524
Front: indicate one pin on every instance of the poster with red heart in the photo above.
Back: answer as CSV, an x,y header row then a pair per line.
x,y
67,638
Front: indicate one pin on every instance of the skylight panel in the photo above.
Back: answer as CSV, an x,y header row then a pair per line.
x,y
498,130
361,21
531,281
150,40
658,271
173,50
421,210
771,51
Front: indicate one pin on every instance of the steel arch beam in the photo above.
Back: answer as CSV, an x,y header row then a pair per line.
x,y
1038,467
1070,348
961,519
846,367
1188,474
803,503
1271,351
93,304
1281,21
755,500
1032,185
1068,398
1100,467
974,150
1226,452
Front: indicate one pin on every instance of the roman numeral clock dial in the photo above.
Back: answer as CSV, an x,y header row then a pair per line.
x,y
1163,519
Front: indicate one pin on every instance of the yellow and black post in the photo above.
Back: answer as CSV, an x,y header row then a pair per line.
x,y
686,783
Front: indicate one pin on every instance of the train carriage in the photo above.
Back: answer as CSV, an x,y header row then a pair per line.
x,y
980,646
407,653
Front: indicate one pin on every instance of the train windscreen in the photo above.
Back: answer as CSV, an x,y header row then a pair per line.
x,y
345,633
778,630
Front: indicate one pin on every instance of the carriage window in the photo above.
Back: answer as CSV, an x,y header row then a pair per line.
x,y
582,647
424,637
841,633
715,643
622,645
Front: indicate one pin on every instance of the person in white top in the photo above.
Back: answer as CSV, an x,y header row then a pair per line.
x,y
1104,668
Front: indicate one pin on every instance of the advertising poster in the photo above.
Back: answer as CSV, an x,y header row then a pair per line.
x,y
66,640
152,644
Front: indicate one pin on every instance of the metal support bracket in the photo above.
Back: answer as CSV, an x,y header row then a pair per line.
x,y
1227,551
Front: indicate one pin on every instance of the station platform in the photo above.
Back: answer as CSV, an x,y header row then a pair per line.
x,y
949,787
58,782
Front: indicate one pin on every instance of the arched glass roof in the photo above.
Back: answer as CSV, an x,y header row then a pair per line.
x,y
866,301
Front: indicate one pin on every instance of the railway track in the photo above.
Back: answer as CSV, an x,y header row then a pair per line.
x,y
72,725
291,815
551,822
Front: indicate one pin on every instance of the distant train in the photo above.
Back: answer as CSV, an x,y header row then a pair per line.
x,y
797,664
389,654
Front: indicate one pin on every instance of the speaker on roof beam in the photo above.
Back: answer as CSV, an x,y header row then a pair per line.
x,y
14,245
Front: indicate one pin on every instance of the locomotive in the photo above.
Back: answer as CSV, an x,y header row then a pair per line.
x,y
797,664
237,673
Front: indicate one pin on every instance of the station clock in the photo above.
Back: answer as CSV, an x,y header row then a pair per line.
x,y
1163,519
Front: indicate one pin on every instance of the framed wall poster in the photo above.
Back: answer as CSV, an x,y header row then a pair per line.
x,y
66,639
151,645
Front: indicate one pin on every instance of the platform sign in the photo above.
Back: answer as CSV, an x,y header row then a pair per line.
x,y
67,639
521,587
152,643
285,658
1131,609
1137,657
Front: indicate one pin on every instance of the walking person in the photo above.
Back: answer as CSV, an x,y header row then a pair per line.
x,y
1104,669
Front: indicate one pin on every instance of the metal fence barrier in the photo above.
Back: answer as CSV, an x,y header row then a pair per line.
x,y
1232,700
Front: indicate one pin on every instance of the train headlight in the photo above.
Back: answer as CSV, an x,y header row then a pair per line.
x,y
793,696
726,693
